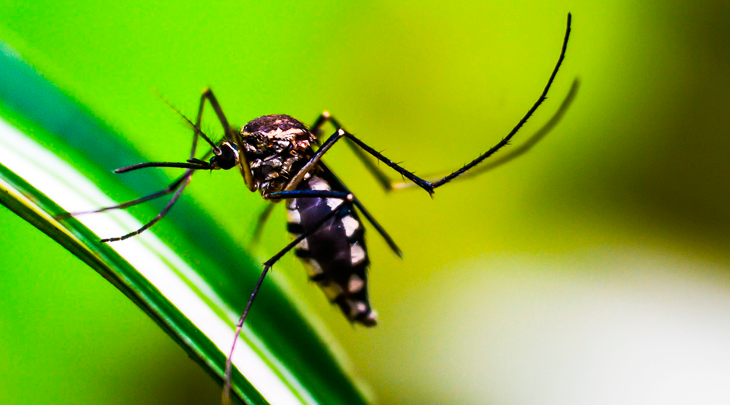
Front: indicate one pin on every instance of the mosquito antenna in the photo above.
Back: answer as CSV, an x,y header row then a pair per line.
x,y
196,128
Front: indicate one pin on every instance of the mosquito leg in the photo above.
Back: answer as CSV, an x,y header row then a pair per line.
x,y
424,184
379,175
208,95
537,136
519,125
194,166
517,152
379,228
175,197
267,265
315,159
185,180
170,189
341,133
231,134
316,128
391,243
389,185
178,185
312,163
309,194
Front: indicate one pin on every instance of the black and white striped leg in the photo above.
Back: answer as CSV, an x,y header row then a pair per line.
x,y
346,197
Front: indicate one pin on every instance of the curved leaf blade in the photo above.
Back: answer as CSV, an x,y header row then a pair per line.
x,y
197,309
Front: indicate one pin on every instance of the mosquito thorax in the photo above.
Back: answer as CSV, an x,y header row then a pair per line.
x,y
275,146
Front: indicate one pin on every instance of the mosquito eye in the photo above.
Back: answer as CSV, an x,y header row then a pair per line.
x,y
227,158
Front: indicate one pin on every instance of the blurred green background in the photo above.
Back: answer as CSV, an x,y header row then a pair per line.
x,y
592,270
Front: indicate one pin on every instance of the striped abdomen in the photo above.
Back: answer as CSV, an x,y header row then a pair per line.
x,y
335,255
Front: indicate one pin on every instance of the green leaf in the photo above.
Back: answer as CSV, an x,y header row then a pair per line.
x,y
53,152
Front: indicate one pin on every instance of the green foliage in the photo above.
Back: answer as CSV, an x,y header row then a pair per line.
x,y
592,269
196,306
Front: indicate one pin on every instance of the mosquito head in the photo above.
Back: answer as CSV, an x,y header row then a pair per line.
x,y
227,158
275,135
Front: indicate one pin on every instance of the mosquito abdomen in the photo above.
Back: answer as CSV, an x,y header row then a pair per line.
x,y
335,255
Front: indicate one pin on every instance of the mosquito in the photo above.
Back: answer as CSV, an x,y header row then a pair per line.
x,y
282,158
